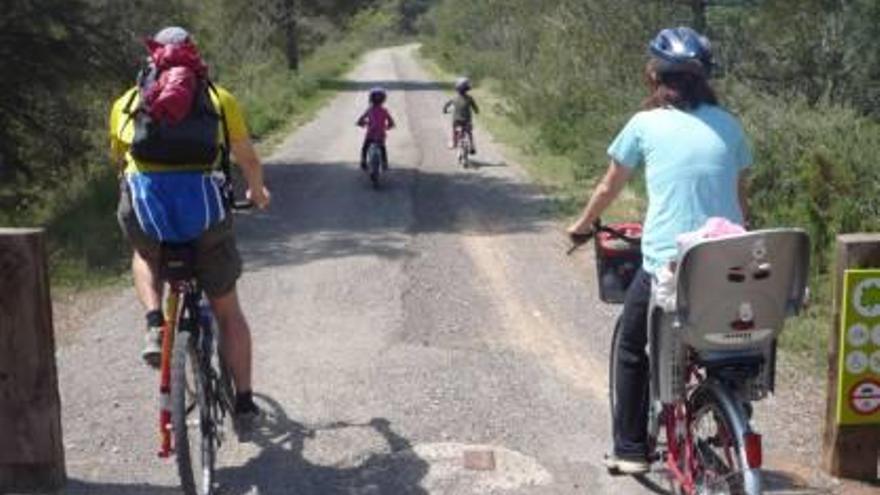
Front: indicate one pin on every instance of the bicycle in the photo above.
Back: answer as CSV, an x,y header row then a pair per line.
x,y
375,163
713,353
464,147
195,387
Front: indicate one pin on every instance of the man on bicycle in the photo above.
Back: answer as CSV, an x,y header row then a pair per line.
x,y
179,199
463,107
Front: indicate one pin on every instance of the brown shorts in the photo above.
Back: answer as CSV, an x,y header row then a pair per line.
x,y
218,264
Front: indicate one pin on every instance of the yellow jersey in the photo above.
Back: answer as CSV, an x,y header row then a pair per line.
x,y
122,130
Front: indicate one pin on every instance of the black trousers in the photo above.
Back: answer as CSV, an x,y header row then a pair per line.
x,y
366,146
630,423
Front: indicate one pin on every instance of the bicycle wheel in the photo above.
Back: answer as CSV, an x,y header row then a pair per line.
x,y
464,153
717,442
192,418
374,160
612,366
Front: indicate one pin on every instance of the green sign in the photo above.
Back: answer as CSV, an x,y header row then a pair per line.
x,y
858,397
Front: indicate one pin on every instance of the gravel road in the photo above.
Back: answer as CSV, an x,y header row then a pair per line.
x,y
395,330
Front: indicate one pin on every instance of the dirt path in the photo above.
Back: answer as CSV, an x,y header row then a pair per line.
x,y
394,329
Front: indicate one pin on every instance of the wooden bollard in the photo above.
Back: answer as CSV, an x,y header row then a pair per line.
x,y
31,449
851,450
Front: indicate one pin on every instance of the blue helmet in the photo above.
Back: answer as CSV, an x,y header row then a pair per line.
x,y
682,49
378,95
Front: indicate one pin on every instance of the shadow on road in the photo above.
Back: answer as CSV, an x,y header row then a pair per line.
x,y
773,482
484,164
328,210
281,468
78,487
397,85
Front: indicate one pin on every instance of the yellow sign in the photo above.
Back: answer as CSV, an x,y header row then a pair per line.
x,y
858,397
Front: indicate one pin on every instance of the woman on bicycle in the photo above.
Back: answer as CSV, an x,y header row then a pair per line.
x,y
695,155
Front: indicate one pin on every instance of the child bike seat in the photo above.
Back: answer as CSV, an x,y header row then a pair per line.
x,y
734,293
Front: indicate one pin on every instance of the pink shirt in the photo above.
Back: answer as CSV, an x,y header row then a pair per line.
x,y
378,121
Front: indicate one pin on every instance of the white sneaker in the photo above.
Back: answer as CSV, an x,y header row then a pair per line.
x,y
626,465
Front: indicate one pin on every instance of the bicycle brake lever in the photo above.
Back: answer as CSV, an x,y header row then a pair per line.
x,y
578,240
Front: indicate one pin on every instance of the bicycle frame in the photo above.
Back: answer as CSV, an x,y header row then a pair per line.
x,y
169,330
182,296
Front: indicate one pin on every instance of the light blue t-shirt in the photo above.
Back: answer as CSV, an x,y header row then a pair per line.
x,y
692,162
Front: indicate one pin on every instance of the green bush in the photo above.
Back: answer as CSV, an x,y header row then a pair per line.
x,y
570,72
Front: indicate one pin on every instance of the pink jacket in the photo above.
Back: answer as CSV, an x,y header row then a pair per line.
x,y
378,121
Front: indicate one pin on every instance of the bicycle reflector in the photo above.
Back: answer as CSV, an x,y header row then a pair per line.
x,y
753,450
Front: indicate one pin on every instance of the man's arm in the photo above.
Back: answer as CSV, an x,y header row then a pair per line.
x,y
448,104
246,156
474,105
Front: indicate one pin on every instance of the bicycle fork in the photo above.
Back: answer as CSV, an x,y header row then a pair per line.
x,y
171,309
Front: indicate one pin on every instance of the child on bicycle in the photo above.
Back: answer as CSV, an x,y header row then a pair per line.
x,y
378,121
462,117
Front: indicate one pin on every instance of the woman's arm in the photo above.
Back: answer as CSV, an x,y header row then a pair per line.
x,y
605,192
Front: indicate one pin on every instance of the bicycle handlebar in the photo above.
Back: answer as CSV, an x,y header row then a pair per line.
x,y
578,240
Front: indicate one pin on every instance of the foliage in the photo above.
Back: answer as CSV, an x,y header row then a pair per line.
x,y
64,61
572,70
802,76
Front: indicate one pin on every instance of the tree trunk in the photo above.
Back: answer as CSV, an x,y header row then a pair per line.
x,y
31,451
698,8
291,35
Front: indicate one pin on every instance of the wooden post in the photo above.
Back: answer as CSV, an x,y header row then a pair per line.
x,y
31,450
850,451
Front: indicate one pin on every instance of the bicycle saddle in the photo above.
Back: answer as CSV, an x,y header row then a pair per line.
x,y
177,261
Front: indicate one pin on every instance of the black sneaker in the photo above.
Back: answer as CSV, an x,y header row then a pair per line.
x,y
364,166
245,419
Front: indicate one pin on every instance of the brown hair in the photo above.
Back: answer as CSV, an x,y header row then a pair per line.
x,y
682,90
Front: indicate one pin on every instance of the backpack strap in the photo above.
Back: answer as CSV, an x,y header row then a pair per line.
x,y
225,162
127,110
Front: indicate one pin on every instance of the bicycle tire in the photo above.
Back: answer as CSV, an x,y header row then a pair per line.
x,y
464,153
374,159
718,449
192,386
612,365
